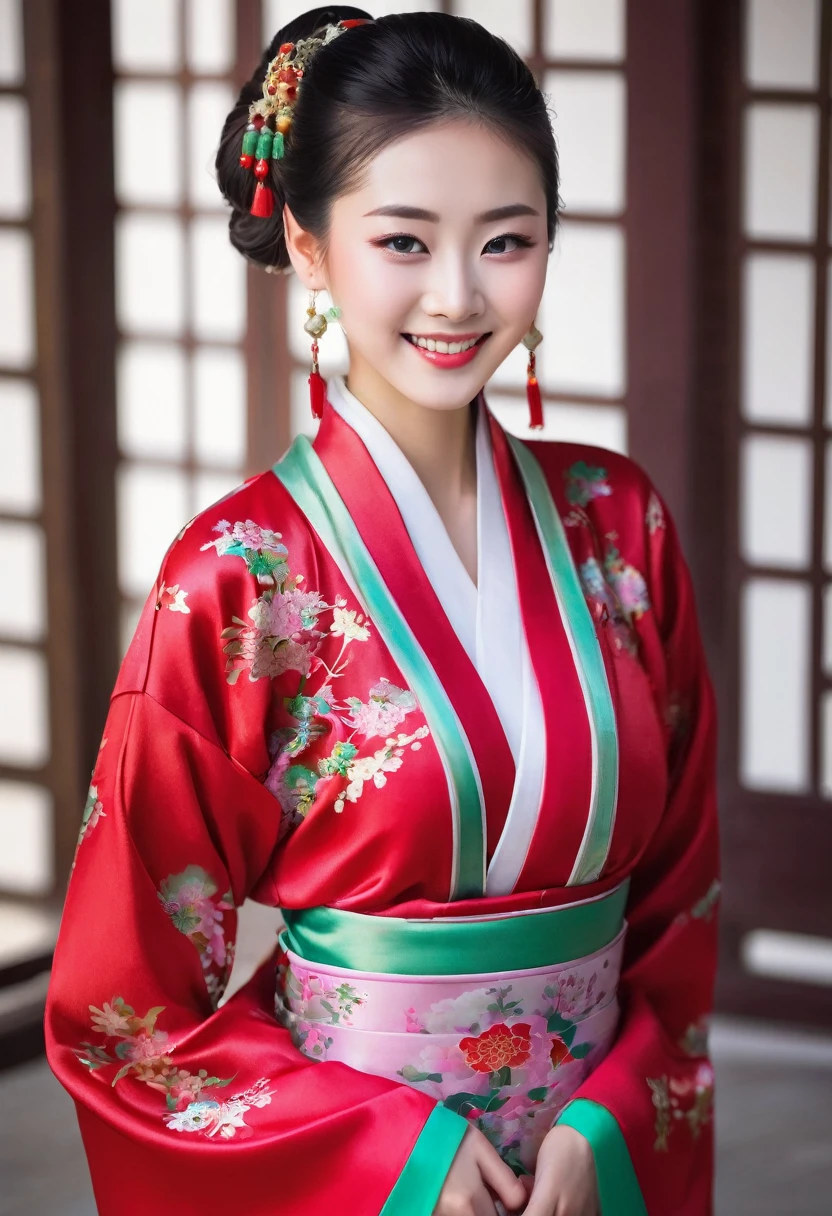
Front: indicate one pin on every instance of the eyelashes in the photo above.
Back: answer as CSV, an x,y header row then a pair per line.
x,y
523,242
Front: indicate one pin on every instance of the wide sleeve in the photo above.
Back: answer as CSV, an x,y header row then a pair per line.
x,y
181,1099
647,1107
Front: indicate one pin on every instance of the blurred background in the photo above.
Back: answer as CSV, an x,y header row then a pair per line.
x,y
144,371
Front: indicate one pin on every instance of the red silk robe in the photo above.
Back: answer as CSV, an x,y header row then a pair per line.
x,y
261,743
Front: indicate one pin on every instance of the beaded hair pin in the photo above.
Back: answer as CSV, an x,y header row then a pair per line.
x,y
271,117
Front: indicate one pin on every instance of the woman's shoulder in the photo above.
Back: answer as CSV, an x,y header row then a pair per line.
x,y
594,478
256,522
215,568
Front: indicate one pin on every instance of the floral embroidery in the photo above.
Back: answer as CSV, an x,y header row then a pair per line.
x,y
498,1047
260,547
704,908
223,1117
695,1039
312,999
93,811
661,1101
375,768
285,634
682,1098
385,709
619,590
585,482
173,598
146,1054
186,898
654,518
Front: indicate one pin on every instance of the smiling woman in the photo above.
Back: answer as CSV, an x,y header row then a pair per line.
x,y
437,693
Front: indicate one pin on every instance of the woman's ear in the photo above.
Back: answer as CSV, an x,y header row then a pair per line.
x,y
304,252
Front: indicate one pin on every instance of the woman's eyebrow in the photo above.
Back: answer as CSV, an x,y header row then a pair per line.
x,y
403,212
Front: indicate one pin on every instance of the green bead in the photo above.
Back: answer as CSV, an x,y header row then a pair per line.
x,y
264,144
249,143
333,313
278,146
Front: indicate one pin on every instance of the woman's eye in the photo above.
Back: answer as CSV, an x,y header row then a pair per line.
x,y
402,240
521,242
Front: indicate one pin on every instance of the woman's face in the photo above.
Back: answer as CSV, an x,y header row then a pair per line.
x,y
454,271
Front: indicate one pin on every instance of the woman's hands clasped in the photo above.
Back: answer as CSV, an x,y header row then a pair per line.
x,y
565,1182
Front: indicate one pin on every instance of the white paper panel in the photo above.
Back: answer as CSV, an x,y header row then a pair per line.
x,y
780,171
512,22
149,132
146,36
775,630
24,725
585,29
512,371
208,107
210,36
589,123
11,42
220,408
152,507
778,338
827,629
582,313
150,289
20,449
775,501
15,189
788,956
300,415
22,582
25,838
151,400
605,426
781,43
210,488
826,743
17,322
827,521
333,352
218,294
131,610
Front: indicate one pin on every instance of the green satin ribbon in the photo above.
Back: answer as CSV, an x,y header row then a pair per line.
x,y
393,945
618,1186
589,664
303,474
419,1184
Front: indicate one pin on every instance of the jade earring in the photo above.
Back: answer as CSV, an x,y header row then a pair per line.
x,y
315,325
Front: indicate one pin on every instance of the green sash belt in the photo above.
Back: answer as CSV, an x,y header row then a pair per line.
x,y
512,942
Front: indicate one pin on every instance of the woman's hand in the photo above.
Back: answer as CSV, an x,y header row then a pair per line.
x,y
565,1181
476,1175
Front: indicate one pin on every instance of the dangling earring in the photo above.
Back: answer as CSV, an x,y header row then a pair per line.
x,y
531,341
315,325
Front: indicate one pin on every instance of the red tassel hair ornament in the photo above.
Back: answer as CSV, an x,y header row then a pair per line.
x,y
531,341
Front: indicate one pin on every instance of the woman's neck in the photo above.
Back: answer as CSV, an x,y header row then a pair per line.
x,y
439,444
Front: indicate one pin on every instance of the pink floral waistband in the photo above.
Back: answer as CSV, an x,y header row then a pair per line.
x,y
506,1050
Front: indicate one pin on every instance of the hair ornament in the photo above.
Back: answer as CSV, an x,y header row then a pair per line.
x,y
271,117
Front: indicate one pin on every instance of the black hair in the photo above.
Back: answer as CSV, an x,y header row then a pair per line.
x,y
361,92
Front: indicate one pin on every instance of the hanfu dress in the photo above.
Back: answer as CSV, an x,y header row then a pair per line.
x,y
486,811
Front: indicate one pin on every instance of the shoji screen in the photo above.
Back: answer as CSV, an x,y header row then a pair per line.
x,y
784,476
26,852
180,287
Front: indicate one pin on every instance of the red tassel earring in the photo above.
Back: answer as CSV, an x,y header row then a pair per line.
x,y
315,326
531,341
